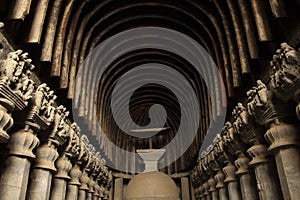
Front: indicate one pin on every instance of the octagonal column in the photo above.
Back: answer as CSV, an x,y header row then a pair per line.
x,y
247,181
212,189
232,184
266,177
14,178
284,140
73,184
84,179
59,187
221,187
41,177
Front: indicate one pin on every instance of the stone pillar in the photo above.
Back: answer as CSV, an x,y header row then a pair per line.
x,y
232,184
247,181
41,177
284,140
59,188
266,177
96,194
185,189
212,189
91,190
84,179
14,178
200,193
118,195
219,177
72,191
101,191
207,195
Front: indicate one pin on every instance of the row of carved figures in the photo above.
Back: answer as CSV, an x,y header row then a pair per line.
x,y
45,155
256,155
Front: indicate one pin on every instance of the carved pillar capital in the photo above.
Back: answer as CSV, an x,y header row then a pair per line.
x,y
45,157
84,179
229,172
63,166
220,177
282,135
206,188
212,184
75,174
242,165
22,143
91,185
96,189
258,153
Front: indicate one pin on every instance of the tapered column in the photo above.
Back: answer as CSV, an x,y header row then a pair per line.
x,y
284,140
221,188
266,177
84,179
207,195
41,177
14,178
201,192
96,194
185,189
118,195
247,181
212,189
91,190
72,191
101,191
232,184
106,194
59,188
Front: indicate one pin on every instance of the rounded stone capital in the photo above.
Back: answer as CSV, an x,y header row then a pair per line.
x,y
63,166
282,135
206,188
212,184
258,153
101,191
96,188
22,144
220,177
242,165
45,158
229,172
91,185
75,174
84,179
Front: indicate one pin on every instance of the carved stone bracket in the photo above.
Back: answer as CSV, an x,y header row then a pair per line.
x,y
285,79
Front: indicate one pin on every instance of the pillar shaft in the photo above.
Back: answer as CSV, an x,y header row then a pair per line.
x,y
232,185
58,191
14,178
40,186
266,176
247,181
118,195
83,189
72,191
185,191
219,177
284,140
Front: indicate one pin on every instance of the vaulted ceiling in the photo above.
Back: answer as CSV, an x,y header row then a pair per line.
x,y
238,34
